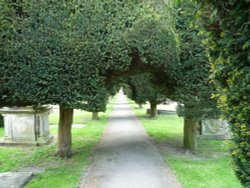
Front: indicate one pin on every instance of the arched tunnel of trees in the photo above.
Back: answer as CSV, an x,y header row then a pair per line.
x,y
78,53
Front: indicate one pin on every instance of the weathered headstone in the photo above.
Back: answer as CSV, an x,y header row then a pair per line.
x,y
215,129
26,125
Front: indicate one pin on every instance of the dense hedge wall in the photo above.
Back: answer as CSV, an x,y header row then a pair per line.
x,y
227,28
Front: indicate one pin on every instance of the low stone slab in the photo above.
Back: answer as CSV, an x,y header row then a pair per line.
x,y
14,179
162,112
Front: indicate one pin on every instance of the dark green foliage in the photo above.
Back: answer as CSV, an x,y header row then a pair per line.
x,y
1,121
153,42
9,18
227,26
58,55
143,89
63,60
194,89
42,58
97,96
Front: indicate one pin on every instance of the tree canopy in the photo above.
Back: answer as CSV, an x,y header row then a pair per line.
x,y
193,88
65,52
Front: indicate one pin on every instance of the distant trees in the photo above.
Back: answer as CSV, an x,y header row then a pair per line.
x,y
143,90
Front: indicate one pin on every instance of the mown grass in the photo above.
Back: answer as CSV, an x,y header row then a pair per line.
x,y
60,173
80,116
1,132
209,167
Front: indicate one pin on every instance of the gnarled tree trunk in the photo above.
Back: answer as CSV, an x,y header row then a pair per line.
x,y
64,132
95,116
190,139
153,109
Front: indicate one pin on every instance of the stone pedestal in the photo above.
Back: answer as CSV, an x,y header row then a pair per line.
x,y
215,129
26,126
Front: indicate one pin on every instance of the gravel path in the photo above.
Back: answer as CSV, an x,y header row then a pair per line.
x,y
125,156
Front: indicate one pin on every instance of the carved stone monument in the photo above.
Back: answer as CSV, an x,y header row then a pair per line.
x,y
215,129
26,126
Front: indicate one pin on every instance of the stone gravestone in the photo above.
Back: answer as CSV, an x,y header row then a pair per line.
x,y
215,129
26,125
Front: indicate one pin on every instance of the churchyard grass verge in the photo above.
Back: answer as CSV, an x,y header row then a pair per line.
x,y
1,131
209,167
61,173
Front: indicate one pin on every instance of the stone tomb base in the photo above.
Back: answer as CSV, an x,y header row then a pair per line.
x,y
26,126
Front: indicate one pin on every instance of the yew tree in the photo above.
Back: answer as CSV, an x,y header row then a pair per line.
x,y
227,28
97,96
193,89
41,66
41,61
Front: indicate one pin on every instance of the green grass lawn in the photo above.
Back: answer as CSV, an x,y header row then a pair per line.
x,y
60,173
80,117
209,167
1,132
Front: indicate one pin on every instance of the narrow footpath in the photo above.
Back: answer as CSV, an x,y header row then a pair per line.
x,y
125,156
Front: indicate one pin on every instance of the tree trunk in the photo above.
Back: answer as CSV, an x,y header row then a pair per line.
x,y
153,109
64,132
95,116
140,106
190,125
